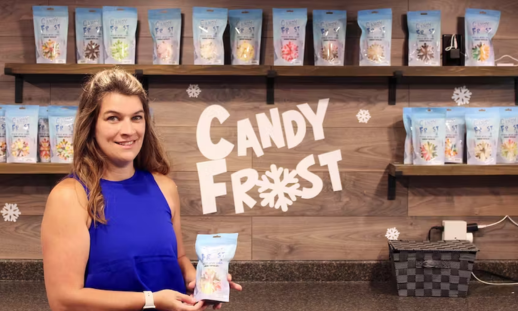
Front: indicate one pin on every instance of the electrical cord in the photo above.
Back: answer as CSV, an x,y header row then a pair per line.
x,y
516,60
496,223
430,231
488,283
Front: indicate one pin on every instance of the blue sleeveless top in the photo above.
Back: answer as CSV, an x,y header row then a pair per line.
x,y
136,250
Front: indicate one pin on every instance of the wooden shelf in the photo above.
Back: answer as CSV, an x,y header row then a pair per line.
x,y
34,168
392,73
179,70
396,170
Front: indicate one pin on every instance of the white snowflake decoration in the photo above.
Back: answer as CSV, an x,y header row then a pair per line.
x,y
363,116
193,90
392,234
11,212
461,95
279,187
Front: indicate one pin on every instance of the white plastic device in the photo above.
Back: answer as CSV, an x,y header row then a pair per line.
x,y
455,230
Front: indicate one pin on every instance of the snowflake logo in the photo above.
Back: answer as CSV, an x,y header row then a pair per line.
x,y
363,116
193,90
392,234
461,95
280,187
11,212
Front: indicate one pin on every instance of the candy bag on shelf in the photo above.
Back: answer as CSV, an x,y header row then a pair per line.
x,y
329,37
51,33
289,36
482,126
61,125
376,38
165,26
480,28
208,27
245,36
22,133
428,135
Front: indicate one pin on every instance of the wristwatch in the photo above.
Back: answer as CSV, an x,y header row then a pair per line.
x,y
150,302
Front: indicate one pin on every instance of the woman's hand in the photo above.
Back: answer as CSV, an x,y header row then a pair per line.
x,y
192,285
169,300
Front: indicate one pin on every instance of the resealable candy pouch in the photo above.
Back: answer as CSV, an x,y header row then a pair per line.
x,y
119,31
289,36
407,122
455,134
482,126
22,133
89,36
43,135
480,28
508,136
214,251
3,145
208,27
329,37
376,38
165,26
61,130
245,36
428,135
51,34
424,42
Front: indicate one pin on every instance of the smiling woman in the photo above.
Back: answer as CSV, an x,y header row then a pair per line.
x,y
114,222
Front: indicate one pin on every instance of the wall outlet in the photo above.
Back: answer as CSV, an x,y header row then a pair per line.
x,y
454,230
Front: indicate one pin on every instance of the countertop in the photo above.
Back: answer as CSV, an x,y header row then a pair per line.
x,y
301,296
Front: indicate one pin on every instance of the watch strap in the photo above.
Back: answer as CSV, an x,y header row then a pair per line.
x,y
150,302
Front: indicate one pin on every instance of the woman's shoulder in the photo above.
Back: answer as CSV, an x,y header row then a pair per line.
x,y
164,181
69,189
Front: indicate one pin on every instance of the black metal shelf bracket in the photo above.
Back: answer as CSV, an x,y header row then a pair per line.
x,y
270,85
393,81
392,185
18,85
139,74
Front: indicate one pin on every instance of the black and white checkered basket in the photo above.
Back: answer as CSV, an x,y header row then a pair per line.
x,y
432,269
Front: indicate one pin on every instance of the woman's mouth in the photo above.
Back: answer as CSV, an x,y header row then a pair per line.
x,y
128,143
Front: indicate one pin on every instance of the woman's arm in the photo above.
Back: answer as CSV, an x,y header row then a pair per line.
x,y
66,244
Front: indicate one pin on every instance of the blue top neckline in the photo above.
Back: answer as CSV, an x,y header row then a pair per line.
x,y
130,180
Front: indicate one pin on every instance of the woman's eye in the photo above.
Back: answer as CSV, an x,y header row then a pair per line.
x,y
138,118
112,118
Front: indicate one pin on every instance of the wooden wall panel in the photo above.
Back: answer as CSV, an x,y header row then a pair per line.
x,y
453,14
362,149
463,196
496,92
182,149
361,238
364,193
16,17
29,193
21,239
33,93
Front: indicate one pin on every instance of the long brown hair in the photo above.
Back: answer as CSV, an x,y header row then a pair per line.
x,y
89,160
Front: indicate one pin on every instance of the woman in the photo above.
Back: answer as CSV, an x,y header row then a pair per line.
x,y
111,232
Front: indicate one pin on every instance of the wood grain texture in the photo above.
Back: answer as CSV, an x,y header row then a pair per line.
x,y
452,170
30,193
16,17
361,238
493,92
463,196
34,93
34,168
362,149
452,14
21,239
245,98
364,193
182,149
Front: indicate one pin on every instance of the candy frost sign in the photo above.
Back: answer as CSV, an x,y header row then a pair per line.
x,y
278,187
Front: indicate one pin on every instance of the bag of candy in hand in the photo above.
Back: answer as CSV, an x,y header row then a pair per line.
x,y
428,135
214,251
480,28
289,36
482,126
508,137
22,133
329,37
376,38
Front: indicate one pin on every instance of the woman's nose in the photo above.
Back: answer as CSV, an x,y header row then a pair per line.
x,y
127,127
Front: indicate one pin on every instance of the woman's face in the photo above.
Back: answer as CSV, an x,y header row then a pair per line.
x,y
120,128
